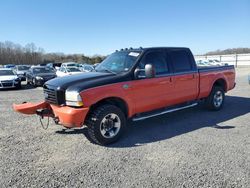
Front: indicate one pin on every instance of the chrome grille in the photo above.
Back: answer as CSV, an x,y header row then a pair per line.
x,y
54,96
6,83
50,96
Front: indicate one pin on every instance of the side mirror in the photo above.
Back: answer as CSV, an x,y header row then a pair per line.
x,y
149,71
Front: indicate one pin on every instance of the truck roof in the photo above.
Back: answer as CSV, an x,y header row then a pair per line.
x,y
152,48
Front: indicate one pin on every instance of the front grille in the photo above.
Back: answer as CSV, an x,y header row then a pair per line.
x,y
6,83
53,96
50,96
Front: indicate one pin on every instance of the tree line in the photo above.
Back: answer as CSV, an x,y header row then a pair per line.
x,y
30,54
230,51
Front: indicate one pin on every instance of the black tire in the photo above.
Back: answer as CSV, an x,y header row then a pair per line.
x,y
19,86
215,100
95,123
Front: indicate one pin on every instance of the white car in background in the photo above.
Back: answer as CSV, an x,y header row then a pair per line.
x,y
214,62
8,79
65,71
202,63
70,64
86,68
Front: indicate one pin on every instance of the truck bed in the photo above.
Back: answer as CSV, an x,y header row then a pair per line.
x,y
209,74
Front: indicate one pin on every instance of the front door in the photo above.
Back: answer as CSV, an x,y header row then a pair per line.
x,y
152,93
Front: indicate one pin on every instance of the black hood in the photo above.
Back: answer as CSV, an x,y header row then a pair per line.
x,y
79,82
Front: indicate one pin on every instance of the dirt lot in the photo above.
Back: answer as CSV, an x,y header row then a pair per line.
x,y
190,148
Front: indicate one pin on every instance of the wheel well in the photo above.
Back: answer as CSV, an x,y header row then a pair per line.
x,y
221,83
120,103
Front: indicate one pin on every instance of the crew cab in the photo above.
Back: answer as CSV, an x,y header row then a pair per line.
x,y
131,84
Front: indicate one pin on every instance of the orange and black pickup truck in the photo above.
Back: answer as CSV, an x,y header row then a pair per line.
x,y
131,84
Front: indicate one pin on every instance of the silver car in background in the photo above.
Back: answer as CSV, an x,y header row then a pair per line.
x,y
8,79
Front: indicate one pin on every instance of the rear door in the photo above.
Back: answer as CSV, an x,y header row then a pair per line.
x,y
185,76
152,93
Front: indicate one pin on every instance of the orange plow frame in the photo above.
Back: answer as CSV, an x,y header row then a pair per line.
x,y
67,116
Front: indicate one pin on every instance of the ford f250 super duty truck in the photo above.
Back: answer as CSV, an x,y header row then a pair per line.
x,y
131,84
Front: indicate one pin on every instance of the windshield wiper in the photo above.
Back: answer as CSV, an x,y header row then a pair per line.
x,y
107,70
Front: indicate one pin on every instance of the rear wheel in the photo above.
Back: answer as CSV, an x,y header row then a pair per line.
x,y
215,100
106,124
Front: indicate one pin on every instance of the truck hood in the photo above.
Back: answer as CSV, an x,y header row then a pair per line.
x,y
10,77
79,82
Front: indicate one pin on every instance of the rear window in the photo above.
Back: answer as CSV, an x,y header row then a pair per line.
x,y
180,60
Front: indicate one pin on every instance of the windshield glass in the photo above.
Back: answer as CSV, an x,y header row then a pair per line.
x,y
6,72
73,69
21,68
43,70
118,62
72,65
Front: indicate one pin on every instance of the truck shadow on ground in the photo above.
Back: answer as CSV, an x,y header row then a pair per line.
x,y
178,123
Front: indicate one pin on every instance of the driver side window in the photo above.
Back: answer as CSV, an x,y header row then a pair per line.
x,y
158,60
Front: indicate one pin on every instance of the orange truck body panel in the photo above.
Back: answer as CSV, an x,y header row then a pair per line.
x,y
70,117
138,95
208,79
155,93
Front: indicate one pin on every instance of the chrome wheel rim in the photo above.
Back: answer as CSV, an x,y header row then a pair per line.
x,y
218,99
110,125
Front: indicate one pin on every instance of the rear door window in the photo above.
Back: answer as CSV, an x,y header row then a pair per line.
x,y
180,60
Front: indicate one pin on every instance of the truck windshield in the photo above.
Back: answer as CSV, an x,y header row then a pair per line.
x,y
118,62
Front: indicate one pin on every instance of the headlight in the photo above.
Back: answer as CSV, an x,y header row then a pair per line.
x,y
39,78
73,98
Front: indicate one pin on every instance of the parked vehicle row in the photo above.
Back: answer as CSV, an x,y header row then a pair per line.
x,y
209,62
37,75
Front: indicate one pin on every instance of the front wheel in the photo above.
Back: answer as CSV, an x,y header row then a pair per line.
x,y
106,124
216,98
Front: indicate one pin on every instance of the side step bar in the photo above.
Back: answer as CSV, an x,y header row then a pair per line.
x,y
163,112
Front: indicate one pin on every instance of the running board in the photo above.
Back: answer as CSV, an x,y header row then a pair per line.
x,y
163,112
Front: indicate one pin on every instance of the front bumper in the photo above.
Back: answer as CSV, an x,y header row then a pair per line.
x,y
67,116
9,84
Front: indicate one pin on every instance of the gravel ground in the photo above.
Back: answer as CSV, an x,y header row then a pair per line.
x,y
191,148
